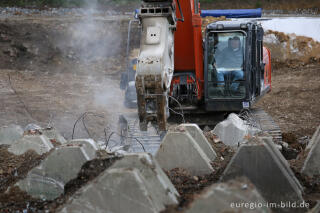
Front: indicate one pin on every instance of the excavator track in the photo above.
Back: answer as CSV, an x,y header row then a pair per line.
x,y
267,124
149,141
137,140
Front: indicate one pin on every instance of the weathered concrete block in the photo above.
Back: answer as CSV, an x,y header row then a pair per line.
x,y
38,143
53,134
311,165
261,162
116,190
156,179
47,181
89,145
199,137
233,130
233,196
315,138
9,134
315,209
180,150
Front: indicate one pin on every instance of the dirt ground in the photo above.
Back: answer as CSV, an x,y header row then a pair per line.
x,y
52,71
295,99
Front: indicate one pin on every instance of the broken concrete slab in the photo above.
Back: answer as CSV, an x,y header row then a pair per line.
x,y
90,146
311,166
116,190
53,134
9,134
233,130
261,162
180,150
38,143
156,179
47,181
237,195
199,137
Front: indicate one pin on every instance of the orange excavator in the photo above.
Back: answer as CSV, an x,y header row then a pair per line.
x,y
180,68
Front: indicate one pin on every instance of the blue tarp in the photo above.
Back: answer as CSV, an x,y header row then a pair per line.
x,y
240,13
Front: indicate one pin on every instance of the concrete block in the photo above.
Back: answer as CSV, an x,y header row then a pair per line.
x,y
199,137
156,179
89,145
116,190
315,209
32,128
311,166
314,139
9,134
180,150
228,197
53,134
47,181
38,143
233,130
261,162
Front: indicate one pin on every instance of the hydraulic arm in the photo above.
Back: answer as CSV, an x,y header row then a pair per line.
x,y
155,64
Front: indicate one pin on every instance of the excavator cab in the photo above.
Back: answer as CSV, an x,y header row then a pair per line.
x,y
236,69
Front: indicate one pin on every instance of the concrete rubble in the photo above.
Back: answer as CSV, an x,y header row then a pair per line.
x,y
134,183
263,164
233,130
47,181
9,134
233,196
179,149
311,165
38,143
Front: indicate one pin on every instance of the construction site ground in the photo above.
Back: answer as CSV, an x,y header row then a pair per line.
x,y
43,83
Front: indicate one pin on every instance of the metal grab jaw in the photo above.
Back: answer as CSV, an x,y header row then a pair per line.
x,y
155,63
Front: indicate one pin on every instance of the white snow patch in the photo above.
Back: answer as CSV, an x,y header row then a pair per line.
x,y
301,26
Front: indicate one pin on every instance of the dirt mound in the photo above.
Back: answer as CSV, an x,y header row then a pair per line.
x,y
59,45
13,167
291,50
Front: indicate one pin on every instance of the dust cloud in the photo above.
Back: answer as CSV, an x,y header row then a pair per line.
x,y
95,46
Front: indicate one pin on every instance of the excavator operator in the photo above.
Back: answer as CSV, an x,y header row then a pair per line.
x,y
231,60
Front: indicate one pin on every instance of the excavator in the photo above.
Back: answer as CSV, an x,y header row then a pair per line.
x,y
182,70
177,68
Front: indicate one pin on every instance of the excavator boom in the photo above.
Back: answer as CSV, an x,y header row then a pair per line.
x,y
155,65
